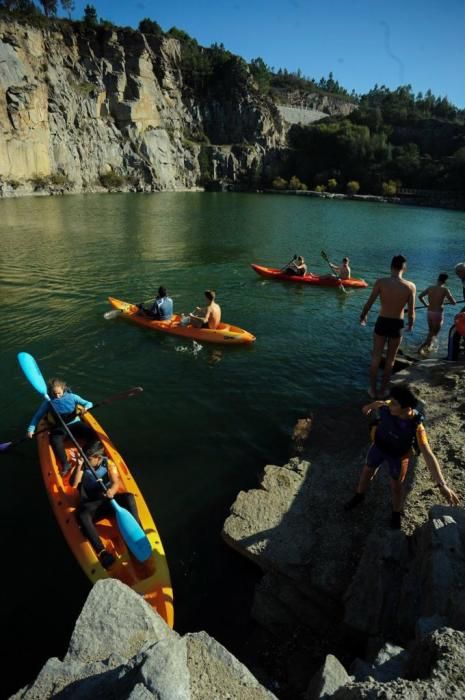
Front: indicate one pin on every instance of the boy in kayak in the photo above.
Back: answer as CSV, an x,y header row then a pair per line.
x,y
68,405
296,267
399,426
342,270
395,293
162,307
96,492
437,295
211,314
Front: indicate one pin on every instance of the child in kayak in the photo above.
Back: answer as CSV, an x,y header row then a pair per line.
x,y
437,295
68,405
95,498
400,425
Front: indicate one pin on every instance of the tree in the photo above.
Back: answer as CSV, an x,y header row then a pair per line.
x,y
50,7
148,26
279,183
389,188
332,184
68,6
90,16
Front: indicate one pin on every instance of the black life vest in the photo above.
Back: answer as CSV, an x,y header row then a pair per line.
x,y
396,436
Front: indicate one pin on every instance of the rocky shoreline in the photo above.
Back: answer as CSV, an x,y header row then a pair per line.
x,y
347,608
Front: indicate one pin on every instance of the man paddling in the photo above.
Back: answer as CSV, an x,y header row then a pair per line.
x,y
395,293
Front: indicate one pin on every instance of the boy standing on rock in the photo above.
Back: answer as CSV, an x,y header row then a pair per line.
x,y
400,426
395,293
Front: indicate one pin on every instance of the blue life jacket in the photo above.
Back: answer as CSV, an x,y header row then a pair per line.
x,y
396,436
91,489
65,406
162,308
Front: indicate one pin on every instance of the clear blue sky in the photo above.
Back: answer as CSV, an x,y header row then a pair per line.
x,y
363,42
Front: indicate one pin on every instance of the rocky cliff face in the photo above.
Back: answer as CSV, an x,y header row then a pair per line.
x,y
85,108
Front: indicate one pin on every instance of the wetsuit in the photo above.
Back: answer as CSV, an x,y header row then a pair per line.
x,y
393,440
95,505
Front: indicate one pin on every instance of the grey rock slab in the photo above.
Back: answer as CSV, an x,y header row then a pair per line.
x,y
331,676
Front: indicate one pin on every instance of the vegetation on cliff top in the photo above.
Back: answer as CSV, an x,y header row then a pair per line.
x,y
390,138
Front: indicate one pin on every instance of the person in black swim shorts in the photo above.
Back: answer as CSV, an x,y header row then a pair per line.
x,y
395,293
389,327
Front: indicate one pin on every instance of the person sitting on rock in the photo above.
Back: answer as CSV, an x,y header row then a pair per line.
x,y
400,426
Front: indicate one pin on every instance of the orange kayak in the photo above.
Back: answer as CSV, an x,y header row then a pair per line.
x,y
225,334
310,278
150,579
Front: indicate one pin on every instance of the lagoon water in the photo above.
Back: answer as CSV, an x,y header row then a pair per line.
x,y
210,418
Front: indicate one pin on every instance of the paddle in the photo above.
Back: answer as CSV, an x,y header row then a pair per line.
x,y
290,261
326,259
116,397
132,533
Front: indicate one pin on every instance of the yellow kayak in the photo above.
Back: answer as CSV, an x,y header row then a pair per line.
x,y
225,334
151,579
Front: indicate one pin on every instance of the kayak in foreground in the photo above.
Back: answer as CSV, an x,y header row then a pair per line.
x,y
151,579
310,278
224,334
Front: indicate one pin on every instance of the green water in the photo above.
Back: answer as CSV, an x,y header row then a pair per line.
x,y
209,418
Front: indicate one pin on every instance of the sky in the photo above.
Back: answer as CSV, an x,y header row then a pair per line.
x,y
362,42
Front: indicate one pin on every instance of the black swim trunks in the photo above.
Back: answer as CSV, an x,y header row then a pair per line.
x,y
389,327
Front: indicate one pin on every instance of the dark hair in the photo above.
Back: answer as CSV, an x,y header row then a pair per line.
x,y
210,294
398,262
443,277
162,291
345,260
404,395
95,448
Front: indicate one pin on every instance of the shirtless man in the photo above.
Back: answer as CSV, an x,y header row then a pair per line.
x,y
342,270
211,314
394,293
437,295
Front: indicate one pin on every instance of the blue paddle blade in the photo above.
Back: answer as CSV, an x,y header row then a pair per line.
x,y
134,536
32,372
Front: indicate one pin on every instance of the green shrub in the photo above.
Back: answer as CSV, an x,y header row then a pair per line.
x,y
320,188
112,180
296,184
279,183
389,188
148,26
353,187
332,184
59,179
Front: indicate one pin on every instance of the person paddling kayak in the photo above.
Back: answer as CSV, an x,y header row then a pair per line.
x,y
342,270
297,267
68,405
211,314
162,307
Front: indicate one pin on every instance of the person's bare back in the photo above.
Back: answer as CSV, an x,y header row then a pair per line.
x,y
395,294
213,315
437,295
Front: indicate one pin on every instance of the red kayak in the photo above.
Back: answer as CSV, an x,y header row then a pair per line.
x,y
321,280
